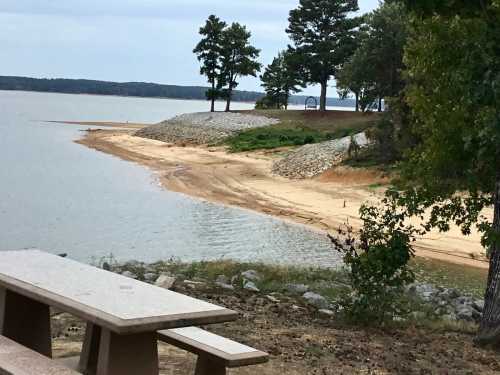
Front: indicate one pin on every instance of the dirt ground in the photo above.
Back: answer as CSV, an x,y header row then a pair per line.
x,y
300,342
245,180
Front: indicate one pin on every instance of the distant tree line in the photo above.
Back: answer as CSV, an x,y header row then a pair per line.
x,y
139,89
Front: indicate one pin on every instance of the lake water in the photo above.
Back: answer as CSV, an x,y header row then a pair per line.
x,y
62,197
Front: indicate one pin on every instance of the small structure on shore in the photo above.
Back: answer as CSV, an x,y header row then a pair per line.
x,y
311,103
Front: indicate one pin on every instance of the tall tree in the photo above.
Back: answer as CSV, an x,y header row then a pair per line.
x,y
238,59
209,51
324,38
375,69
281,79
453,63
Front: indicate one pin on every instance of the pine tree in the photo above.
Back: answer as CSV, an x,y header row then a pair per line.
x,y
281,79
324,38
238,59
209,51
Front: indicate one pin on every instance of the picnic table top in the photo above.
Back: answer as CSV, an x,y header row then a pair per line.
x,y
113,301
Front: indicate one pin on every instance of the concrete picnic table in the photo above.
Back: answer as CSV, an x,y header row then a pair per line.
x,y
122,314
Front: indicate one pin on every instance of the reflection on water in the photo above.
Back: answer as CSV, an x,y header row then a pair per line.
x,y
62,197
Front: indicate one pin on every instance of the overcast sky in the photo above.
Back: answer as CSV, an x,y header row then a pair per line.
x,y
130,40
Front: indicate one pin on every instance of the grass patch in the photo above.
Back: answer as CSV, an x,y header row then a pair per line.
x,y
273,137
469,280
297,128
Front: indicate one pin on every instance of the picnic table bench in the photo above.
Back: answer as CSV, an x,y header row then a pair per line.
x,y
123,315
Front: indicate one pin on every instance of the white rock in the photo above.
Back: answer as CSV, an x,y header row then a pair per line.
x,y
250,285
165,281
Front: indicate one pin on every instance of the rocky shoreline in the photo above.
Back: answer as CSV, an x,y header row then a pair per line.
x,y
432,302
203,128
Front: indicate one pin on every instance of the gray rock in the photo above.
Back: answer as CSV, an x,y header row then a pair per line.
x,y
465,314
313,159
203,128
165,281
250,285
297,288
326,312
316,300
251,275
224,286
129,274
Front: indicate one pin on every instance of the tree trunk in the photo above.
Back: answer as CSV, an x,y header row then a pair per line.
x,y
489,331
228,102
212,106
380,104
357,101
322,99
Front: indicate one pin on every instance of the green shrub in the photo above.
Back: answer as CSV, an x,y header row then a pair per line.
x,y
273,137
377,264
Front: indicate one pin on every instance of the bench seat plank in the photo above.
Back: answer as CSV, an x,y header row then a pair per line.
x,y
16,359
201,342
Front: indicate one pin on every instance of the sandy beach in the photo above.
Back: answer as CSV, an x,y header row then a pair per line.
x,y
244,180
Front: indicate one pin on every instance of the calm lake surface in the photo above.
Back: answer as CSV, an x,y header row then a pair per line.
x,y
62,197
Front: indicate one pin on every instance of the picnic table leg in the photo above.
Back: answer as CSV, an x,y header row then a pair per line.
x,y
90,349
128,354
25,321
209,366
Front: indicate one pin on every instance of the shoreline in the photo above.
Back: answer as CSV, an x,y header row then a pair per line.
x,y
245,181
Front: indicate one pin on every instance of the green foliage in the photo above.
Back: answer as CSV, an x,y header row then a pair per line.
x,y
454,93
281,79
374,70
378,263
323,37
273,137
208,51
268,102
238,58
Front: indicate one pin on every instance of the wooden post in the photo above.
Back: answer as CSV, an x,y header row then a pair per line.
x,y
128,354
209,366
25,321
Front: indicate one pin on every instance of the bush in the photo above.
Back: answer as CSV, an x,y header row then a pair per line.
x,y
377,264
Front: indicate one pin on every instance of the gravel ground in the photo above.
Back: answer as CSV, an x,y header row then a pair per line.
x,y
203,128
311,160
